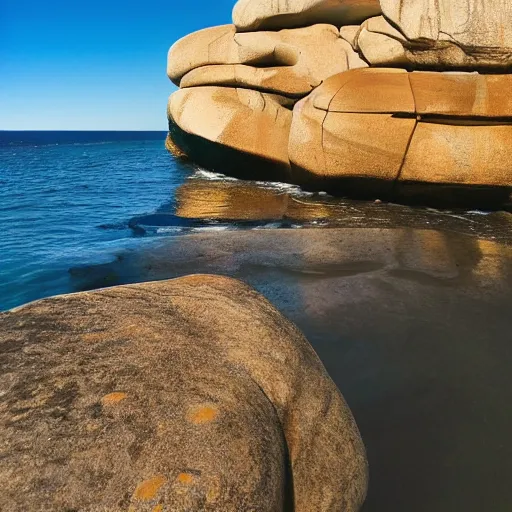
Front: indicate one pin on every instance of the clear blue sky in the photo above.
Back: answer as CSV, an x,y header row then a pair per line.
x,y
94,65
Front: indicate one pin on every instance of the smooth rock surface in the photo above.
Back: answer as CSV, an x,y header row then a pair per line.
x,y
347,129
250,123
250,15
288,62
191,394
477,155
375,129
470,95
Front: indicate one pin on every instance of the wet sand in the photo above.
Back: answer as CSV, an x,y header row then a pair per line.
x,y
413,324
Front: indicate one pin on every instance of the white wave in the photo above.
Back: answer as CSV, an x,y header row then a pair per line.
x,y
479,212
210,175
169,229
270,225
287,188
98,143
211,228
293,190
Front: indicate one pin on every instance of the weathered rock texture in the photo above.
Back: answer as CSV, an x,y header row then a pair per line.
x,y
191,394
420,44
357,131
384,128
455,33
288,62
250,15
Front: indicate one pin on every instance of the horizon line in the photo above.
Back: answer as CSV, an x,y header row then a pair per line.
x,y
68,130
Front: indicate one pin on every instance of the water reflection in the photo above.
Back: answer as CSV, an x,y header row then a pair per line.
x,y
240,203
202,199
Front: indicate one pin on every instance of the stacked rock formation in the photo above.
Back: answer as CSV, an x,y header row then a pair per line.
x,y
397,99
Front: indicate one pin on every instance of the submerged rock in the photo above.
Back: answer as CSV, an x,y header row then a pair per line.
x,y
194,394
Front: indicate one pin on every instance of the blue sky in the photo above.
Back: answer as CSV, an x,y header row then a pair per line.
x,y
95,65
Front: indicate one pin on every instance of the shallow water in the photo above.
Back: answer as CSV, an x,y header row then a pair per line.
x,y
408,308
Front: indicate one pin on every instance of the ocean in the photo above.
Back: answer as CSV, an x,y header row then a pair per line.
x,y
73,201
65,199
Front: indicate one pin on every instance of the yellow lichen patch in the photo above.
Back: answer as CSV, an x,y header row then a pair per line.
x,y
113,398
147,490
213,493
185,478
93,337
158,508
202,414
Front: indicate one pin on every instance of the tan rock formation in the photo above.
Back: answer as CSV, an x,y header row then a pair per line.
x,y
358,126
381,44
454,154
250,122
347,128
442,35
484,24
191,394
389,125
175,151
288,62
350,33
250,15
462,94
464,130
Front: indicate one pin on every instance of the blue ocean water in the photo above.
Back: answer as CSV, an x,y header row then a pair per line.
x,y
72,201
66,198
72,204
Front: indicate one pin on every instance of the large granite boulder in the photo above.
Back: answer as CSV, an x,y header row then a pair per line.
x,y
439,35
288,62
191,394
377,131
239,130
348,129
251,15
374,139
